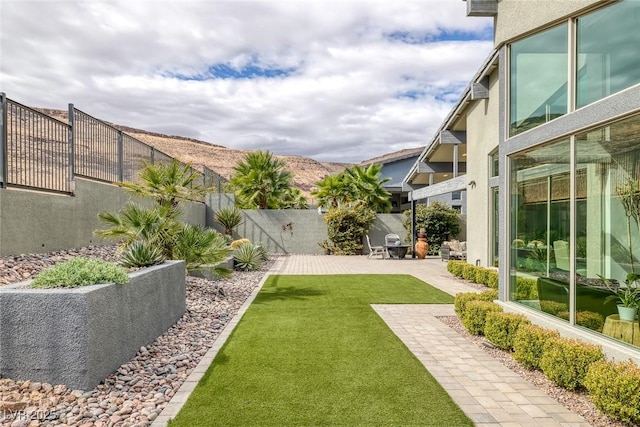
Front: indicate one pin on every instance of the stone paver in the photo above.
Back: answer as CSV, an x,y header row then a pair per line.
x,y
487,391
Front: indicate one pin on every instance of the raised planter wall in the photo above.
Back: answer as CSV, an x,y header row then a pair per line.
x,y
79,336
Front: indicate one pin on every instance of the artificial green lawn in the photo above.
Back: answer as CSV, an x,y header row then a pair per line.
x,y
310,351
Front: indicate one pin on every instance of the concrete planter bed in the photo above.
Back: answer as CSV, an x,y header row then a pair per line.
x,y
78,336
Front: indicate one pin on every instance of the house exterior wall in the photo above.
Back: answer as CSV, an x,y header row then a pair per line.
x,y
482,139
517,17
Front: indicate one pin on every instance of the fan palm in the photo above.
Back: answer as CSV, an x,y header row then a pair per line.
x,y
368,185
334,190
260,181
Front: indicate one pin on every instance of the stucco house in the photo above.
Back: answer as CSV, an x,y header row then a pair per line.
x,y
549,132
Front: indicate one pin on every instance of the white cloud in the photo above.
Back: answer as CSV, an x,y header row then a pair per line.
x,y
352,92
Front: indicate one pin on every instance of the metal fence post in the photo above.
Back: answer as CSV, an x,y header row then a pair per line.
x,y
3,140
120,155
72,144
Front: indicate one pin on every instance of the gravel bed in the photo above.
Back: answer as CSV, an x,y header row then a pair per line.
x,y
139,390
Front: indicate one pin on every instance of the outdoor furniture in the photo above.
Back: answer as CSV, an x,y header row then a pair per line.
x,y
375,250
397,251
453,249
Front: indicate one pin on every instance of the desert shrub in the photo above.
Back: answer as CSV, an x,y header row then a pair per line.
x,y
482,275
553,307
528,344
237,243
526,289
264,253
615,389
469,272
247,257
229,217
500,328
475,315
492,279
565,361
346,227
588,319
80,272
455,267
141,254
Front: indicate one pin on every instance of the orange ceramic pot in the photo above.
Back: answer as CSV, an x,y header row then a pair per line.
x,y
422,247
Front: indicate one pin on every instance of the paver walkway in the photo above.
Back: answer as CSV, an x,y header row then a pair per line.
x,y
487,391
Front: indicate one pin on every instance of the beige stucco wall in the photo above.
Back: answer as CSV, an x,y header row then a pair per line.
x,y
482,138
516,17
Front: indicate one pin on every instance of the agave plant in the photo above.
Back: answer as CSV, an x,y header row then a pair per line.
x,y
247,257
201,248
141,254
229,217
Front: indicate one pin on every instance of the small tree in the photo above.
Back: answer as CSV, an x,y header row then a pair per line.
x,y
439,220
229,217
347,226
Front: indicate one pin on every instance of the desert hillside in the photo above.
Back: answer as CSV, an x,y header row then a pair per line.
x,y
306,172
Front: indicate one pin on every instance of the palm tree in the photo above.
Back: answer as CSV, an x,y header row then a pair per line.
x,y
333,191
368,185
353,184
167,184
294,199
260,181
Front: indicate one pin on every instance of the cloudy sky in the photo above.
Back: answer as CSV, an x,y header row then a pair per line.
x,y
332,80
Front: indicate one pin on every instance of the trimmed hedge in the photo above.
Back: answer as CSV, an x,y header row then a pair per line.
x,y
528,344
588,319
615,389
482,275
565,361
475,315
461,299
500,328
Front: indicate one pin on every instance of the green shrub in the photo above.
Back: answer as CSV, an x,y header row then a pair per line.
x,y
461,299
553,307
492,279
456,267
614,388
500,328
141,254
247,257
565,361
80,272
588,319
526,289
347,226
482,275
475,315
229,217
528,344
469,272
440,221
264,253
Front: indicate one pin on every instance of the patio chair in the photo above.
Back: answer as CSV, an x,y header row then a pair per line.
x,y
375,250
391,239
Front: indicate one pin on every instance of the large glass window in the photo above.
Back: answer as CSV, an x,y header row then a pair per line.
x,y
540,228
607,233
538,79
606,222
607,42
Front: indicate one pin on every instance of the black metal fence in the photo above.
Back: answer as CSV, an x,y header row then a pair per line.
x,y
40,152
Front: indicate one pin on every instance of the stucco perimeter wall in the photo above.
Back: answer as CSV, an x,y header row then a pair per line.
x,y
516,17
32,221
300,231
79,336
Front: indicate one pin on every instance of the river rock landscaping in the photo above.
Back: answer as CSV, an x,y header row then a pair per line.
x,y
141,388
